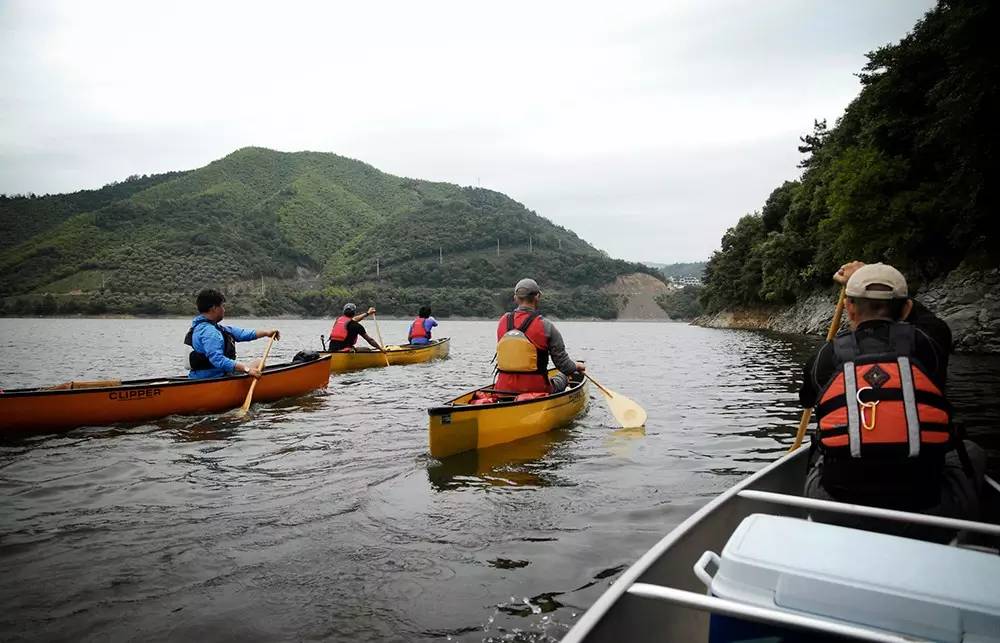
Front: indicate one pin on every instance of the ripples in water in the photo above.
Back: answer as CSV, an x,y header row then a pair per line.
x,y
324,517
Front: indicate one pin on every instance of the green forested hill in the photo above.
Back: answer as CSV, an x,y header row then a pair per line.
x,y
290,233
907,176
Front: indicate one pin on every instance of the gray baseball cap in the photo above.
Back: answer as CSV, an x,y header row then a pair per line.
x,y
884,275
526,287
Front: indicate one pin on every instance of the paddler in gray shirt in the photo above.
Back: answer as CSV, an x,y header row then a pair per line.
x,y
525,342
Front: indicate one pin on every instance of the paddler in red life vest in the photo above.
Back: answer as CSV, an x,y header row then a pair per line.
x,y
420,328
885,434
525,342
213,346
347,328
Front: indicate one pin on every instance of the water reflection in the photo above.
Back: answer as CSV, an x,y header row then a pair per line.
x,y
319,503
515,464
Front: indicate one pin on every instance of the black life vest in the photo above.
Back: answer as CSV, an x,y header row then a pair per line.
x,y
515,346
881,403
199,361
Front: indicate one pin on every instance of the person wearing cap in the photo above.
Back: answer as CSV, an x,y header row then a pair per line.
x,y
885,436
525,343
347,328
213,346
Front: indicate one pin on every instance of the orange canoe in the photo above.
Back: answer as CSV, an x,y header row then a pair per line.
x,y
41,410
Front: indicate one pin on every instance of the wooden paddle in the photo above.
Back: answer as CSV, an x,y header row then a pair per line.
x,y
246,403
834,326
629,414
380,342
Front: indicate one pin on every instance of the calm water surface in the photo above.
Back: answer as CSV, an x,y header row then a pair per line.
x,y
323,517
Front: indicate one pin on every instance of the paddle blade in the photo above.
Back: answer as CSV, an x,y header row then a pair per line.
x,y
629,414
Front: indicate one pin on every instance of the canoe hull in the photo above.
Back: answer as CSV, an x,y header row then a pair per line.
x,y
45,411
457,426
398,356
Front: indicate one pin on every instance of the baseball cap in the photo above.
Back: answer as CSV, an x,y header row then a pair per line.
x,y
860,283
526,287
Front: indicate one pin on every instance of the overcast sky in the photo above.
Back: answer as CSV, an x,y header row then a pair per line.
x,y
646,127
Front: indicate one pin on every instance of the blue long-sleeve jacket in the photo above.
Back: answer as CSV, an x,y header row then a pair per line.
x,y
206,339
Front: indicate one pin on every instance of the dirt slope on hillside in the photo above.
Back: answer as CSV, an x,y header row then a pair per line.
x,y
637,296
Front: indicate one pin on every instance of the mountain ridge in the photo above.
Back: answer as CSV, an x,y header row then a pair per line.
x,y
311,228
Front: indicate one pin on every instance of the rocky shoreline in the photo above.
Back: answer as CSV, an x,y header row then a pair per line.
x,y
968,299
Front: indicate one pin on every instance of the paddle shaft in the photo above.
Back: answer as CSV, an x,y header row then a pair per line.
x,y
834,325
253,384
598,384
378,332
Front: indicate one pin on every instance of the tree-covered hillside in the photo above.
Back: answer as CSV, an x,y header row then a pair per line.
x,y
290,233
907,175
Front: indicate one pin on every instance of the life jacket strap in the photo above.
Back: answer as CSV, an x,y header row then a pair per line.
x,y
909,405
853,414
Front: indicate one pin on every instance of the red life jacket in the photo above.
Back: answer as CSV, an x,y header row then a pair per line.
x,y
530,323
338,332
880,403
417,330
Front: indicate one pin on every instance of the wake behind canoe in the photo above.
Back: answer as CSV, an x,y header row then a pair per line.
x,y
459,425
40,410
397,356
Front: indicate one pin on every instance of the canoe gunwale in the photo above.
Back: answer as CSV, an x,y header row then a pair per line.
x,y
161,381
590,618
451,407
395,348
655,575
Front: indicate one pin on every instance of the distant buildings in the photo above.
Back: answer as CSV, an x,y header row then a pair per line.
x,y
680,282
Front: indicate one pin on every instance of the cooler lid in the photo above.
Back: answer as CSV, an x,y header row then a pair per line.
x,y
903,585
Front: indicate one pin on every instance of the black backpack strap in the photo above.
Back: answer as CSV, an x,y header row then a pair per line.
x,y
527,322
510,322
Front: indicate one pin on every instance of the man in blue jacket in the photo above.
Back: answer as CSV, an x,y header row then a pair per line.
x,y
213,346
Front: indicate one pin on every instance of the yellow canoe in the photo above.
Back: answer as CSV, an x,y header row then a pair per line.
x,y
458,426
398,355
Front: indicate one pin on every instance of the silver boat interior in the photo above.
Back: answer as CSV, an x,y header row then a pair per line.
x,y
663,596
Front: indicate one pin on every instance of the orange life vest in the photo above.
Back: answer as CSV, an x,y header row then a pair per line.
x,y
338,332
417,330
880,403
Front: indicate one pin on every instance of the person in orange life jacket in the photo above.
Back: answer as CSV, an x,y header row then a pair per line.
x,y
213,346
885,436
347,328
420,328
525,342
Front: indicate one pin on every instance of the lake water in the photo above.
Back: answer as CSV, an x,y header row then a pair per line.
x,y
325,518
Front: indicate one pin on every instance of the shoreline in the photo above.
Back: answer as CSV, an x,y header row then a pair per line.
x,y
305,318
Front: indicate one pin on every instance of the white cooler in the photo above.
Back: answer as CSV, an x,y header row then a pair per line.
x,y
915,588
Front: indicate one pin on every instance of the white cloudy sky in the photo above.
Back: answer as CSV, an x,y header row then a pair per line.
x,y
646,127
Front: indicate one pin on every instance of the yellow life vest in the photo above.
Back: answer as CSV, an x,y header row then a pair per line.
x,y
516,353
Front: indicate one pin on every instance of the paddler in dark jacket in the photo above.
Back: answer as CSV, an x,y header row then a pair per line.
x,y
885,435
213,346
347,328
